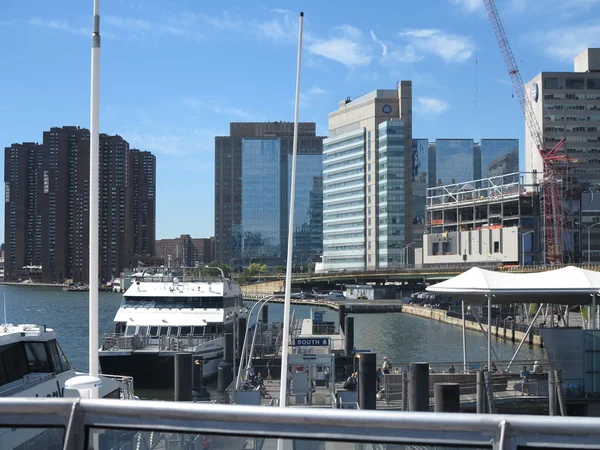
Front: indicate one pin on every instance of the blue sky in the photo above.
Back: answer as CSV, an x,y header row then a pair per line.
x,y
175,73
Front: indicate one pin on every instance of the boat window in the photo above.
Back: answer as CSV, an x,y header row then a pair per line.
x,y
153,331
37,357
142,331
186,331
164,331
63,359
174,331
15,361
130,330
56,362
198,331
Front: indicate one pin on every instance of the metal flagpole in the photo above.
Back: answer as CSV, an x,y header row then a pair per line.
x,y
288,272
94,193
464,338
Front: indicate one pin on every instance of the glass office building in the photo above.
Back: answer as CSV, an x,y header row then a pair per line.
x,y
261,231
344,200
391,212
457,160
499,157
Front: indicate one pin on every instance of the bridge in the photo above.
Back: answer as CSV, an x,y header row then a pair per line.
x,y
409,276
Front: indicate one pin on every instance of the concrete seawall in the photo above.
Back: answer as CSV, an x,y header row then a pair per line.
x,y
442,316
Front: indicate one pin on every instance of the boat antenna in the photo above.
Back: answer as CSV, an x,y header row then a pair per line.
x,y
290,247
94,197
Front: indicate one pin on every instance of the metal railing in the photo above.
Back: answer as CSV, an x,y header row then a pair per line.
x,y
120,342
139,424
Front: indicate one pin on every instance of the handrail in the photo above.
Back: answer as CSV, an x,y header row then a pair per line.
x,y
412,428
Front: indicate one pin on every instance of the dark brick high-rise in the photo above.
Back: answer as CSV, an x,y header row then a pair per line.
x,y
142,214
47,206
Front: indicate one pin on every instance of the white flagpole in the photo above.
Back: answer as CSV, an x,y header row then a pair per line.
x,y
288,272
94,194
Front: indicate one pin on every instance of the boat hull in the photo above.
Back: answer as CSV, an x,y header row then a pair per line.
x,y
152,370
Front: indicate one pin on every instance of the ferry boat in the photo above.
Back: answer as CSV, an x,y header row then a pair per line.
x,y
167,313
32,364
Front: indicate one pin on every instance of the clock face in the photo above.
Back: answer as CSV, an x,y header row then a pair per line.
x,y
386,109
535,92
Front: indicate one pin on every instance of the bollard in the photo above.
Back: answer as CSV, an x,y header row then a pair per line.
x,y
552,405
241,334
480,392
446,397
404,390
197,374
349,336
183,377
265,314
418,386
342,317
224,375
367,380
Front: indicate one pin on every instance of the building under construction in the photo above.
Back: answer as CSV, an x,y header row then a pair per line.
x,y
482,222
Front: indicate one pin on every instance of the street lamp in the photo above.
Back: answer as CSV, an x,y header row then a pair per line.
x,y
523,246
589,227
405,254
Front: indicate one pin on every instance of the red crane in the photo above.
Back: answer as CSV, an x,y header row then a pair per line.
x,y
554,222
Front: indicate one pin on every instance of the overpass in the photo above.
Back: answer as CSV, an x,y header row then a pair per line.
x,y
410,277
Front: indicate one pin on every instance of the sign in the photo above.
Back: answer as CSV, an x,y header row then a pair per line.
x,y
311,342
354,352
386,109
318,316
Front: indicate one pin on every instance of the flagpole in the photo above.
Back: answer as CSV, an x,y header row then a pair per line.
x,y
94,194
290,246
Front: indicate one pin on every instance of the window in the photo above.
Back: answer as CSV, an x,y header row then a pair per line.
x,y
174,331
153,331
37,357
130,330
186,331
164,331
142,331
575,83
554,83
496,246
593,83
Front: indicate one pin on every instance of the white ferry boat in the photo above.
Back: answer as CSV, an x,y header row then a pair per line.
x,y
164,314
32,364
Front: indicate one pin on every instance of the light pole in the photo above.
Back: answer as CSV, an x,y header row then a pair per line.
x,y
589,227
405,254
523,246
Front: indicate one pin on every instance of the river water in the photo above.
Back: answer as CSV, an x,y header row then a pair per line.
x,y
400,337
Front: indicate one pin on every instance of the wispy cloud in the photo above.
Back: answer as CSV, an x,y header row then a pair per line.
x,y
308,97
384,47
469,5
60,25
431,106
224,21
316,90
171,26
449,47
216,107
564,44
345,46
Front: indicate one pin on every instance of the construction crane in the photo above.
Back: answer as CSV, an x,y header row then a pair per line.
x,y
554,222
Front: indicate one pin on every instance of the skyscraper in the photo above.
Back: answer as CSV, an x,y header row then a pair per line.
x,y
252,192
567,105
47,191
367,193
499,157
456,160
142,198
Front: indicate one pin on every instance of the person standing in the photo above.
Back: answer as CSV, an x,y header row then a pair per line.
x,y
387,367
525,382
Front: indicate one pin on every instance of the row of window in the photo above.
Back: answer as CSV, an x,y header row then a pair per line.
x,y
155,331
571,83
558,107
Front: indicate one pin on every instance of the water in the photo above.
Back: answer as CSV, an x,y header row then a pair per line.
x,y
400,337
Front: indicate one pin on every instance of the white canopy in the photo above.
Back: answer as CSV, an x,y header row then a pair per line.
x,y
567,286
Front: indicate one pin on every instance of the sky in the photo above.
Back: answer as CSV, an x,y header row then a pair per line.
x,y
174,74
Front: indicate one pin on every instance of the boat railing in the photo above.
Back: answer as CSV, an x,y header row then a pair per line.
x,y
123,424
120,342
127,391
27,382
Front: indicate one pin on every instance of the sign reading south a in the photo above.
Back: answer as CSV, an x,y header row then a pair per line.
x,y
311,342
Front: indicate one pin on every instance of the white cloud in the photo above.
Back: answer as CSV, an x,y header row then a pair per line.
x,y
59,25
316,90
469,5
172,26
450,47
345,46
405,54
214,106
384,48
565,43
225,21
431,105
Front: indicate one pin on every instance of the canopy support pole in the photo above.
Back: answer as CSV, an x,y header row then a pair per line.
x,y
525,336
464,338
485,335
593,311
489,332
